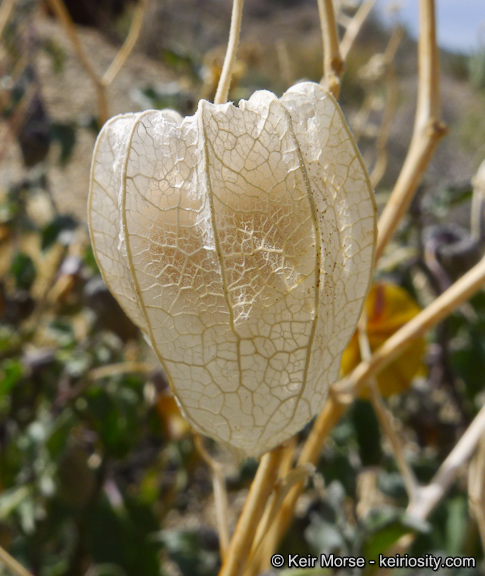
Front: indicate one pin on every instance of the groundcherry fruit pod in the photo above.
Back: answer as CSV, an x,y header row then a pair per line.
x,y
241,241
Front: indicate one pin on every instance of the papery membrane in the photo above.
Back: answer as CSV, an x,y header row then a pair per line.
x,y
241,241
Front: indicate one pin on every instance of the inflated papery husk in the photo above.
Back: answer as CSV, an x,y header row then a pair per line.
x,y
241,241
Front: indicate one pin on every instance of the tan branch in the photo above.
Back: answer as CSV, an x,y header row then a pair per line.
x,y
16,121
333,65
355,26
230,58
60,10
428,129
283,486
120,368
456,295
15,567
429,496
220,496
5,12
332,411
342,393
252,513
476,488
385,419
391,102
266,540
100,82
128,45
384,415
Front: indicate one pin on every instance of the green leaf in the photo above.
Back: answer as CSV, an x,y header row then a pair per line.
x,y
11,372
65,136
61,230
22,268
116,419
122,536
56,54
368,433
11,499
63,331
90,261
384,528
191,554
456,525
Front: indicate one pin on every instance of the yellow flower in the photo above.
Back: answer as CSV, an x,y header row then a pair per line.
x,y
388,307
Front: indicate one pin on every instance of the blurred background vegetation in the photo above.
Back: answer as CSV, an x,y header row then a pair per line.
x,y
99,474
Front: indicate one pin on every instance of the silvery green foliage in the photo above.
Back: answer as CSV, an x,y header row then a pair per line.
x,y
241,241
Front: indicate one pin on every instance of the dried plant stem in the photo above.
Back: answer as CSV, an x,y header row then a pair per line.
x,y
15,567
332,411
61,12
287,73
342,393
252,513
100,82
230,59
362,116
265,537
391,102
384,415
128,44
333,65
456,295
385,419
220,496
283,486
16,121
355,26
476,488
5,11
429,496
120,368
428,129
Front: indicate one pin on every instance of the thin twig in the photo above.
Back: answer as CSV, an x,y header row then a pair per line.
x,y
15,567
429,496
384,415
391,102
266,540
253,510
385,418
5,12
362,116
333,65
456,295
332,411
476,489
120,368
220,496
16,121
61,12
428,129
355,26
230,58
286,69
284,485
128,45
342,393
101,82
